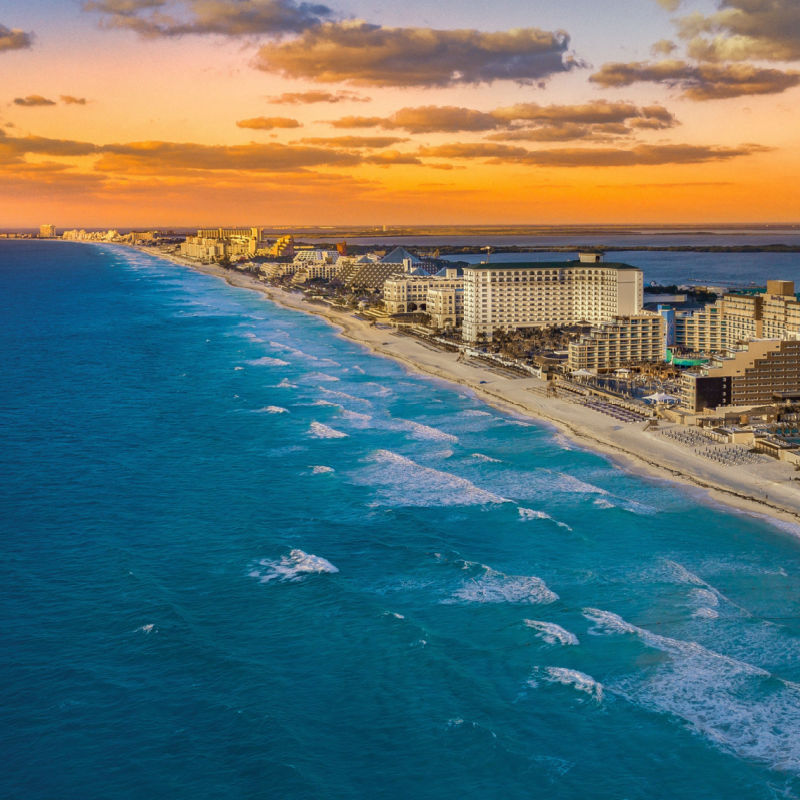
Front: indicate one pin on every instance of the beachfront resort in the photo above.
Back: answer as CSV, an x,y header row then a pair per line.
x,y
718,363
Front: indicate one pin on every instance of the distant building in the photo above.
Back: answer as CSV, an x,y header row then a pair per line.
x,y
738,318
620,342
47,231
547,294
767,371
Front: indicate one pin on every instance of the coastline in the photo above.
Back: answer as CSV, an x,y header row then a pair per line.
x,y
767,490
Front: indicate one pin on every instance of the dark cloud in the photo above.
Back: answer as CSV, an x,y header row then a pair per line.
x,y
268,123
297,98
651,155
70,100
152,18
14,39
350,142
744,29
699,82
372,55
33,100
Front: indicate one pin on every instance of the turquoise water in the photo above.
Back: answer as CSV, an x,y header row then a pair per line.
x,y
241,557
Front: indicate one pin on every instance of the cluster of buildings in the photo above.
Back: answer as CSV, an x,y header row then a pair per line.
x,y
746,345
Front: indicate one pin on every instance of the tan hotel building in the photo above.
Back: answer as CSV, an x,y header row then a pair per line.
x,y
547,294
619,342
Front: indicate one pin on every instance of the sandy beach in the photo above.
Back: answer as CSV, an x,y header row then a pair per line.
x,y
769,489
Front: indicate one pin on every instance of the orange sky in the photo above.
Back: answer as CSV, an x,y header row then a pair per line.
x,y
198,112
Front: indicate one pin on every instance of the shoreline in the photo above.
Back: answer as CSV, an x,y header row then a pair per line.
x,y
766,490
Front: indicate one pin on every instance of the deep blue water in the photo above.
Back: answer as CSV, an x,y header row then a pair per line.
x,y
243,558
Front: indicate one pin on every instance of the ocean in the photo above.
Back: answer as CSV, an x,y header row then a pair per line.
x,y
242,557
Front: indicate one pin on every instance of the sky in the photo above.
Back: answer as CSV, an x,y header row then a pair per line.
x,y
159,113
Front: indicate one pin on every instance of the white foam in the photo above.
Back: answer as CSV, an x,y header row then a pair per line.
x,y
420,431
321,470
345,396
149,628
293,350
485,458
404,482
601,502
706,613
354,416
321,376
320,431
358,369
570,677
273,410
268,361
284,384
526,514
474,412
737,706
491,586
290,568
551,633
236,369
573,485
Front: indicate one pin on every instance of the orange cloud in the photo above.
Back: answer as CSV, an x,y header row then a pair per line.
x,y
33,100
316,96
268,123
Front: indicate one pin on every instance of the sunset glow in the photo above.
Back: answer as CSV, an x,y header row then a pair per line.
x,y
192,112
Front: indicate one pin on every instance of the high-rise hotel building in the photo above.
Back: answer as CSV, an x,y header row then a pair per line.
x,y
547,294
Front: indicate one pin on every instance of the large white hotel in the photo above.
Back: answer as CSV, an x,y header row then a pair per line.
x,y
547,294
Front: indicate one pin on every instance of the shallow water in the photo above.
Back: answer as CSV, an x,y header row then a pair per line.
x,y
225,576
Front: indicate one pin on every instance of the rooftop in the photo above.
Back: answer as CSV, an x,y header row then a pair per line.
x,y
550,265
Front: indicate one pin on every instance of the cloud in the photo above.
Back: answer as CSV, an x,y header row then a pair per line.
x,y
663,47
350,142
524,121
297,98
12,147
171,156
268,123
598,111
650,155
745,29
390,158
563,132
69,100
152,18
670,5
358,122
33,100
699,82
371,55
14,39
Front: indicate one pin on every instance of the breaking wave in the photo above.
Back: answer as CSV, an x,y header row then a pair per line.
x,y
551,633
488,585
569,677
268,361
403,482
320,431
737,706
321,470
290,568
526,514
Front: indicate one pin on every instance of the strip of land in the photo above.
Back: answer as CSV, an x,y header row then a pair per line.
x,y
769,488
